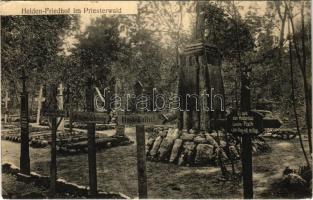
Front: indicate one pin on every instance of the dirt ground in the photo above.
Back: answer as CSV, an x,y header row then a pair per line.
x,y
117,171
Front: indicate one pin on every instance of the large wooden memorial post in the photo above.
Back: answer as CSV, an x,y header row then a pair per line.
x,y
200,76
24,156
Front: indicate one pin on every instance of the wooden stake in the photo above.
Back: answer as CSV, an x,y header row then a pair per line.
x,y
91,129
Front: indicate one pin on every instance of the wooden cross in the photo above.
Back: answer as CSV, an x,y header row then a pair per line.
x,y
60,106
90,117
61,89
6,101
39,99
51,110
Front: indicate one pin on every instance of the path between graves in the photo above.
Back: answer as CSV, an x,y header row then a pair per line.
x,y
117,171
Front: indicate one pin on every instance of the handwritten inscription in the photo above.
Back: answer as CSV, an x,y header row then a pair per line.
x,y
242,123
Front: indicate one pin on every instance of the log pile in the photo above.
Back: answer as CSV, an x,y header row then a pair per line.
x,y
190,149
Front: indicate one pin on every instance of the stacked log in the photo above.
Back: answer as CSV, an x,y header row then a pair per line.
x,y
190,149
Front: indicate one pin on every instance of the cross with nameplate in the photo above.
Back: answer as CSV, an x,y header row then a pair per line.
x,y
140,120
90,117
51,110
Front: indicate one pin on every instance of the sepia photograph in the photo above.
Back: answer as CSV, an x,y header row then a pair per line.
x,y
156,99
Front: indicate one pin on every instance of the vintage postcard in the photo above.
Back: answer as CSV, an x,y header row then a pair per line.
x,y
156,99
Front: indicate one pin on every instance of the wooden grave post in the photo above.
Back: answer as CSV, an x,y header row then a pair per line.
x,y
140,120
39,99
6,101
141,162
24,156
141,152
246,157
91,131
90,117
51,110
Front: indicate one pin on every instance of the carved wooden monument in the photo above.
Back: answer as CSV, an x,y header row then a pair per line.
x,y
200,77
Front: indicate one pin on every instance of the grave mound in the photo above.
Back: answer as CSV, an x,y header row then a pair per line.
x,y
69,143
190,149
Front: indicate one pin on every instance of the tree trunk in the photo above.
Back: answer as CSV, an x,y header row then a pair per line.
x,y
307,93
294,103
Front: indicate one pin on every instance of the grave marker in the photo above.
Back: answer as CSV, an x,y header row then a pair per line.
x,y
120,130
141,142
245,106
52,111
91,132
140,120
24,156
90,117
6,101
53,116
141,162
39,99
247,123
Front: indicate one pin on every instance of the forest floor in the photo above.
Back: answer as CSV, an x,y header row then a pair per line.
x,y
117,171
